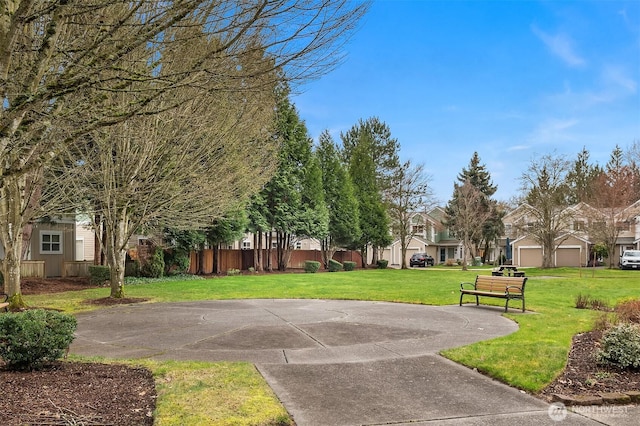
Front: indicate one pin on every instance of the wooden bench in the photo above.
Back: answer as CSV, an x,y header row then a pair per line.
x,y
491,286
4,304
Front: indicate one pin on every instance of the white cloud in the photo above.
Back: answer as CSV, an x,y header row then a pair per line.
x,y
518,148
561,46
617,77
614,84
553,131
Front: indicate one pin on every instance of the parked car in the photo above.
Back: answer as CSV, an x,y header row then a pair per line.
x,y
630,259
421,259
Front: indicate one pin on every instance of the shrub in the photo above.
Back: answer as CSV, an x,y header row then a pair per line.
x,y
450,262
334,266
348,265
604,321
629,311
154,267
32,338
132,268
382,264
311,266
232,272
599,305
584,301
176,261
621,346
98,274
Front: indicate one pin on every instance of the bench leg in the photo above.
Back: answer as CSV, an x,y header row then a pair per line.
x,y
506,305
523,304
477,301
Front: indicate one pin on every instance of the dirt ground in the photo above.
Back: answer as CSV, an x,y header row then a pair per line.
x,y
98,394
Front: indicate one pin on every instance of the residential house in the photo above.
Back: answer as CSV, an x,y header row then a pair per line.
x,y
430,236
573,244
52,248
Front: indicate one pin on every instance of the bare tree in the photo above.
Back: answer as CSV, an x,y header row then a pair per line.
x,y
62,63
469,208
408,192
613,199
546,204
178,169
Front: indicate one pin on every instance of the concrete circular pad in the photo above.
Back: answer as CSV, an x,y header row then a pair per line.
x,y
331,362
283,331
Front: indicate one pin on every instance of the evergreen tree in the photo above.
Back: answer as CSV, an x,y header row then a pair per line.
x,y
487,223
344,222
226,230
374,220
383,148
258,225
478,176
294,200
581,178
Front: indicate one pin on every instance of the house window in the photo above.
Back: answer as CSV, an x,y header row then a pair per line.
x,y
622,226
418,229
507,229
246,245
578,225
298,245
50,242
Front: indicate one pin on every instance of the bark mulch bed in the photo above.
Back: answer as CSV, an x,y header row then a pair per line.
x,y
583,376
75,393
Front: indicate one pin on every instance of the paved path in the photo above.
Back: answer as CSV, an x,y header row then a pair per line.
x,y
337,362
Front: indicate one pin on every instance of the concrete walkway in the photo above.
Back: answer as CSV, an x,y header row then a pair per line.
x,y
339,362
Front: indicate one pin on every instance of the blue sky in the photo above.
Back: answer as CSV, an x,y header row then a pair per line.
x,y
512,80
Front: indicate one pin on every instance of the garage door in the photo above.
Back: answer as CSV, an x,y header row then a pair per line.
x,y
530,257
568,257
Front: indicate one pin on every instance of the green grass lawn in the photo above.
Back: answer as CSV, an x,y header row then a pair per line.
x,y
528,359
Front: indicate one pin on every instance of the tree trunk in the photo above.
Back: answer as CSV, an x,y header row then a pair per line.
x,y
403,252
363,256
465,251
269,240
547,254
12,192
216,259
116,254
258,254
200,257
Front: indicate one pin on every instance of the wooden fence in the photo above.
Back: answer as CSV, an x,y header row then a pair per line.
x,y
76,268
32,268
243,259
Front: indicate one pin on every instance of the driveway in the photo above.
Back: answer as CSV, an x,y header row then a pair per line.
x,y
336,362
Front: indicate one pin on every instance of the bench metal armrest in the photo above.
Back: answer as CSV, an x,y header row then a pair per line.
x,y
516,287
473,285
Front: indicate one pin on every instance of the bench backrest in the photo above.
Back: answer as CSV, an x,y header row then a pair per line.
x,y
500,284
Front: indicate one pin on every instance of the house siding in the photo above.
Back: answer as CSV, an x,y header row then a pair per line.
x,y
53,262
